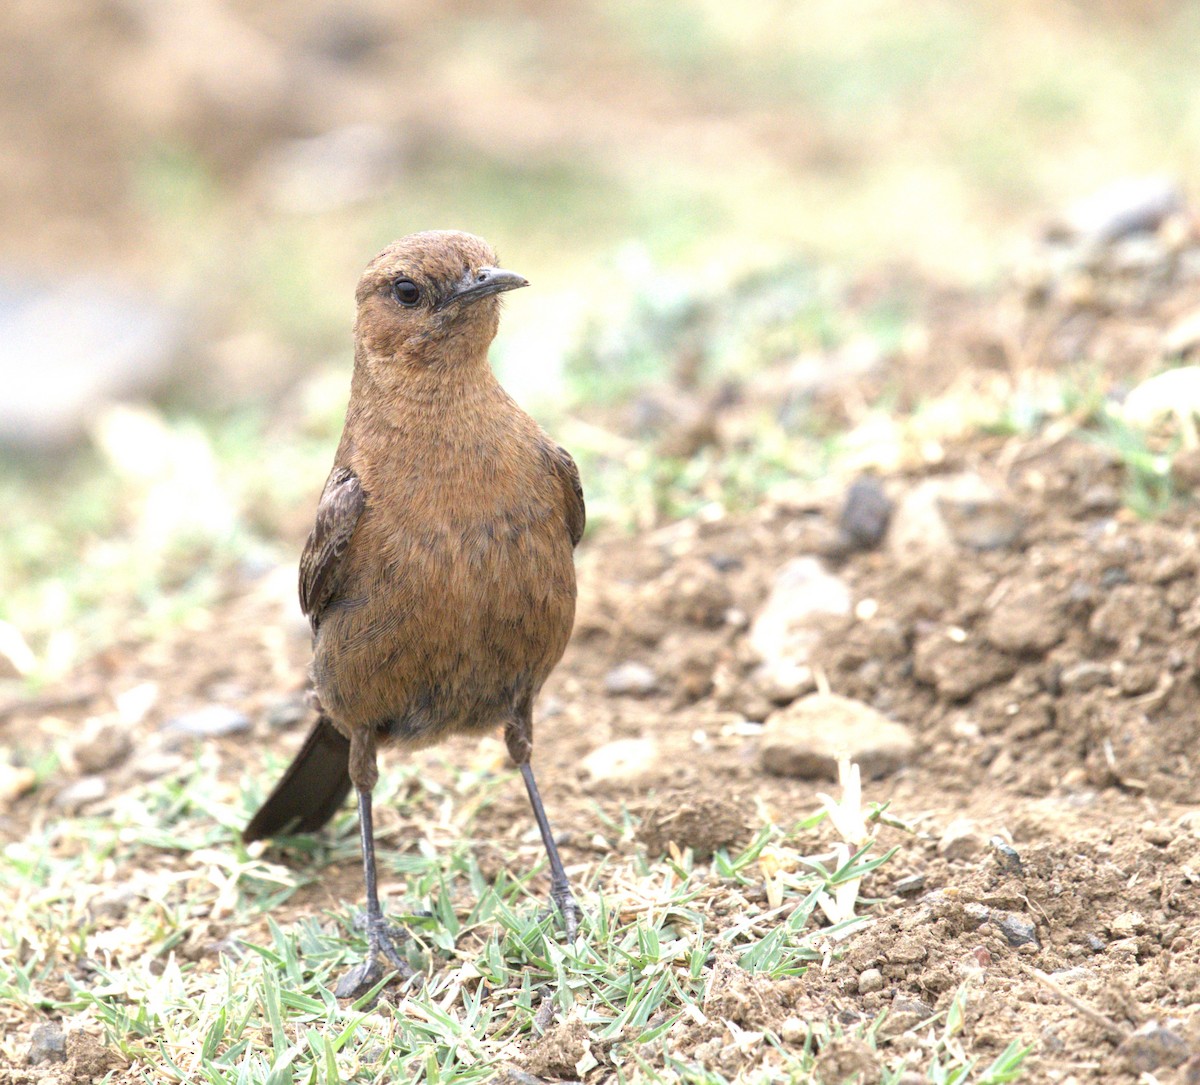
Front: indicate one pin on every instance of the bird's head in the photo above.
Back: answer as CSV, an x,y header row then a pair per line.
x,y
431,299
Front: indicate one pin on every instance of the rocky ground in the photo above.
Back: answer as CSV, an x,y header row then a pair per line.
x,y
982,622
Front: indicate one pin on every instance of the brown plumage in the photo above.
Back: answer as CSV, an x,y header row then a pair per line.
x,y
439,578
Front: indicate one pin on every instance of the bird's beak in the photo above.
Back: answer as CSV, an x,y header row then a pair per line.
x,y
482,282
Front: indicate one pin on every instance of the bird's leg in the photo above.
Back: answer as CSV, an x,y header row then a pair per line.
x,y
518,736
379,937
560,888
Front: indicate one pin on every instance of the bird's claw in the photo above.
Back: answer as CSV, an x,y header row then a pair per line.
x,y
361,978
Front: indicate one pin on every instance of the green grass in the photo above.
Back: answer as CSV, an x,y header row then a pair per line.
x,y
153,928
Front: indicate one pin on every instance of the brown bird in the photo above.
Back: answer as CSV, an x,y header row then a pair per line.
x,y
439,577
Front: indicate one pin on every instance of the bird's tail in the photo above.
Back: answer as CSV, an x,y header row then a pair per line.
x,y
315,785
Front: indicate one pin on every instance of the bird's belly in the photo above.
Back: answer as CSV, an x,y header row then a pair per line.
x,y
448,634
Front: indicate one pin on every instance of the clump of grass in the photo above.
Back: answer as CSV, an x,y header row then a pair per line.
x,y
151,926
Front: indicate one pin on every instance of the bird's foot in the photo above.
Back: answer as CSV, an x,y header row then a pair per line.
x,y
564,900
361,978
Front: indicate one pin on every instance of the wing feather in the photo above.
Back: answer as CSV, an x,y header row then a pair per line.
x,y
342,503
568,474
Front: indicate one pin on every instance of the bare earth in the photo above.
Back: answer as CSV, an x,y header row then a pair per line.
x,y
1040,645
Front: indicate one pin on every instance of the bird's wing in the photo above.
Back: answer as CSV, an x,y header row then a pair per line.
x,y
568,475
342,503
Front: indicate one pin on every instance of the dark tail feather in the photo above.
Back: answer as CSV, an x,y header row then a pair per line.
x,y
315,785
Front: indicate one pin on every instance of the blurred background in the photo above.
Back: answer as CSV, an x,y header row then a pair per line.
x,y
718,205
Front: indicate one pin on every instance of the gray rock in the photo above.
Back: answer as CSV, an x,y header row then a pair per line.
x,y
786,629
1100,499
976,915
807,738
1127,206
1153,1046
69,348
623,759
961,840
1028,619
943,513
85,790
910,885
794,1030
288,711
113,904
978,515
511,1075
865,515
630,679
1017,930
903,1002
102,747
958,668
211,721
1006,857
156,764
782,682
47,1044
870,979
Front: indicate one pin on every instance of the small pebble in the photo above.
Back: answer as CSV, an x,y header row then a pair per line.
x,y
47,1044
807,738
630,680
510,1075
1018,931
793,1031
906,1003
910,885
15,781
1128,924
152,764
804,593
114,904
287,712
1007,859
622,759
1123,207
870,979
103,747
1160,835
961,840
1151,1047
977,914
783,682
865,515
1100,499
211,721
86,789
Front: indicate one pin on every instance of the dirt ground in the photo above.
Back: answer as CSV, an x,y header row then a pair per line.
x,y
1039,640
1041,648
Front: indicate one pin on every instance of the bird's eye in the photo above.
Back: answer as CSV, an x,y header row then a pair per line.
x,y
406,292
